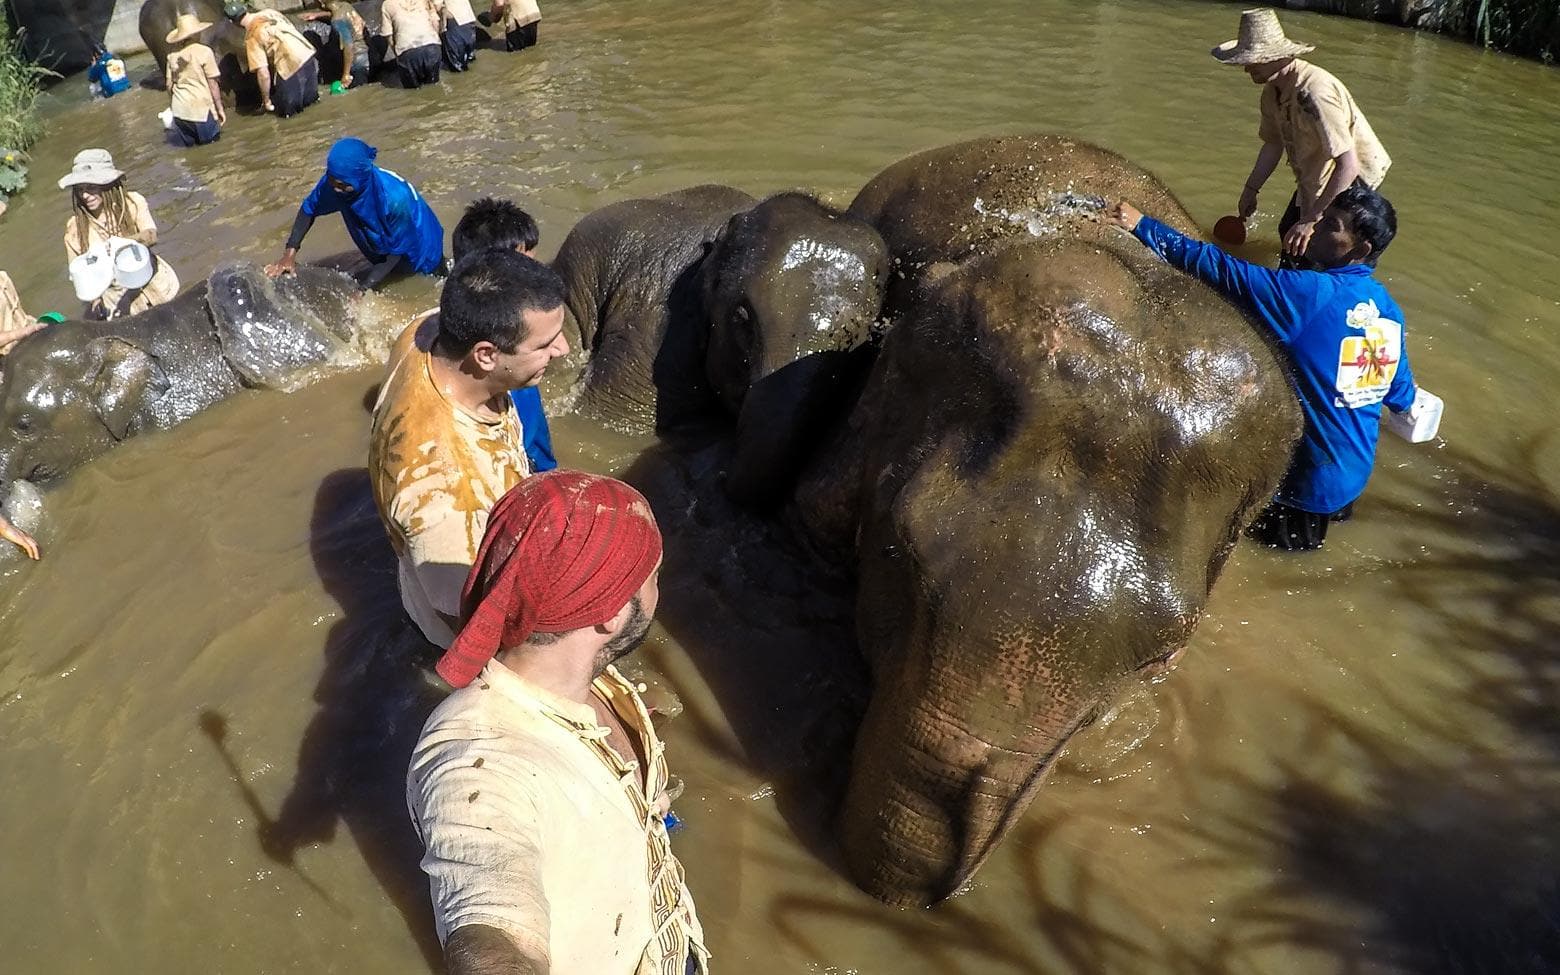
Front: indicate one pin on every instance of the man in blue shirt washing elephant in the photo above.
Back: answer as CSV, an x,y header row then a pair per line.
x,y
1343,337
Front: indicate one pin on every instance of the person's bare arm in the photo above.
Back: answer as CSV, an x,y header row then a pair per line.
x,y
1267,161
216,100
347,54
477,949
263,77
1346,169
29,546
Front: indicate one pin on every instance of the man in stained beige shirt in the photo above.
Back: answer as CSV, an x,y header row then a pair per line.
x,y
446,442
1310,117
539,786
281,58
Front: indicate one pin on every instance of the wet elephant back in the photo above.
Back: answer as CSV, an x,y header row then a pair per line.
x,y
951,203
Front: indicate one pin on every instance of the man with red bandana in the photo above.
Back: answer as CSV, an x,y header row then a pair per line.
x,y
538,786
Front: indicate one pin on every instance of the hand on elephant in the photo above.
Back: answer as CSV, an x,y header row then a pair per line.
x,y
287,265
19,538
1124,215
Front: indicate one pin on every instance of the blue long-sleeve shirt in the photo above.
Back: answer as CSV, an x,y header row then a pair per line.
x,y
1345,339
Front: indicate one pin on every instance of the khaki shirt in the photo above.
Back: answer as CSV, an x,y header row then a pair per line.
x,y
163,287
1315,124
191,69
272,39
457,10
518,13
12,317
437,471
408,25
534,825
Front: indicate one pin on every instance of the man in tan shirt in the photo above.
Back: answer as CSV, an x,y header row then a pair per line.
x,y
194,95
1308,116
411,28
539,786
446,442
520,19
280,56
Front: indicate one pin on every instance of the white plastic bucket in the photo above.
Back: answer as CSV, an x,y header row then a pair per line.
x,y
1421,421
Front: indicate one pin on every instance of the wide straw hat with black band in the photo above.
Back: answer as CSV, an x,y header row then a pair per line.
x,y
91,167
187,26
1261,41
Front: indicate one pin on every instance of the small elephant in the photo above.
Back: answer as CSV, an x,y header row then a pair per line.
x,y
74,390
1053,456
706,302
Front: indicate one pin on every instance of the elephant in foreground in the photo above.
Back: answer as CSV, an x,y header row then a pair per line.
x,y
706,302
75,390
1050,461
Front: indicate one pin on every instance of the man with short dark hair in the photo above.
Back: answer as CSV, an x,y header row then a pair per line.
x,y
539,786
1343,336
491,222
446,441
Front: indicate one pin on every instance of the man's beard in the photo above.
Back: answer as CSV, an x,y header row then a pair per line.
x,y
626,640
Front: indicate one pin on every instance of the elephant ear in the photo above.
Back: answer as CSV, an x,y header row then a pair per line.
x,y
271,331
122,379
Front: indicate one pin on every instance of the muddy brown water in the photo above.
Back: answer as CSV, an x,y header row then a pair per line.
x,y
206,700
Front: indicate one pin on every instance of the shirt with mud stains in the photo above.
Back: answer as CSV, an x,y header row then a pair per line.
x,y
191,70
271,38
535,825
1316,123
437,471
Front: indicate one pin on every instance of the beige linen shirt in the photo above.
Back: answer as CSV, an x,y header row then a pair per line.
x,y
163,287
271,38
12,317
191,69
437,471
1317,122
518,13
457,10
408,24
533,824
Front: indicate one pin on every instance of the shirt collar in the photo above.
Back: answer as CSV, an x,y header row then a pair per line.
x,y
526,694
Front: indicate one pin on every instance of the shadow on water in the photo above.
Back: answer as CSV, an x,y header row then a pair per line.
x,y
1435,850
769,631
373,698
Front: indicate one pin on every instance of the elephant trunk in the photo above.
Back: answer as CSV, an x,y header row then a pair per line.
x,y
931,795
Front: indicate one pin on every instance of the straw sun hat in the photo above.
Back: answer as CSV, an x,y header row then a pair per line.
x,y
1261,40
188,25
94,167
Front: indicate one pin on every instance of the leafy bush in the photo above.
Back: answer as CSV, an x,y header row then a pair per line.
x,y
20,83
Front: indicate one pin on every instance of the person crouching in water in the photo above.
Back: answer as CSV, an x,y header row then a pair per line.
x,y
385,216
101,208
520,19
412,29
194,95
1343,336
460,33
281,58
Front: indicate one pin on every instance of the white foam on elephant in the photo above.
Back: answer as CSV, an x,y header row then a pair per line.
x,y
1060,207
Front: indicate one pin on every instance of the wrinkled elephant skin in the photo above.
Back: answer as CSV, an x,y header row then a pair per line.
x,y
74,390
1052,458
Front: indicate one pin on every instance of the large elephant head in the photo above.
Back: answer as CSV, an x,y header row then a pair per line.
x,y
791,288
1052,458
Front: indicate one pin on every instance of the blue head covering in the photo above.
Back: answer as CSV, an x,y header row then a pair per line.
x,y
384,214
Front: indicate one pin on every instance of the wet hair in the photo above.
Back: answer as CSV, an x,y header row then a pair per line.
x,y
491,222
487,295
117,215
1375,221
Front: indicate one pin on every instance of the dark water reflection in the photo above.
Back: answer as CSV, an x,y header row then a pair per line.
x,y
206,695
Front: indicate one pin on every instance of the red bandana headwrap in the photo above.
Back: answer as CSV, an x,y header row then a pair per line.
x,y
563,550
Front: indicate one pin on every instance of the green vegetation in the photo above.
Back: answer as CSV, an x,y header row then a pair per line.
x,y
1530,27
20,84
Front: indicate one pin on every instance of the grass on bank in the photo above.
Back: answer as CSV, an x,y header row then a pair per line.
x,y
21,82
1530,27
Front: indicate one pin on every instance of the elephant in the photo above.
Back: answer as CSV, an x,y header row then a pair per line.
x,y
1051,458
76,389
706,302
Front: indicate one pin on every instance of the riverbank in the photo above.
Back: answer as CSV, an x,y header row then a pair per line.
x,y
1530,28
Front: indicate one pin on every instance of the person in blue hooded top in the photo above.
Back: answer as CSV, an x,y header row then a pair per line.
x,y
386,217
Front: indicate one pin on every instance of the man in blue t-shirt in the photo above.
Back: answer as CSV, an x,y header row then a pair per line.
x,y
107,76
1343,335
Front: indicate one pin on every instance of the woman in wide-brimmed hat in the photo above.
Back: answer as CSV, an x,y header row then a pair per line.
x,y
1307,115
194,95
101,208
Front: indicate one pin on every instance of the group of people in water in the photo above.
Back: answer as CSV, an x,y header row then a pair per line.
x,y
539,787
418,36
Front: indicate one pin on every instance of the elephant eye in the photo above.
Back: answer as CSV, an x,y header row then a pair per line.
x,y
23,423
742,313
